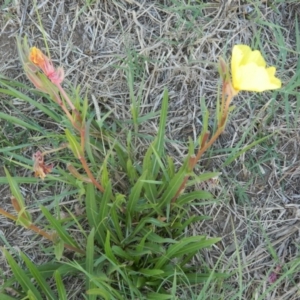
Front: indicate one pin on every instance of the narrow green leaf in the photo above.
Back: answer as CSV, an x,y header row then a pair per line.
x,y
21,276
196,246
134,197
100,292
87,142
108,250
160,141
185,246
17,121
101,228
91,206
24,217
74,145
196,195
159,296
114,213
122,156
62,233
118,251
104,174
62,294
85,107
172,188
160,164
14,188
245,149
131,171
171,167
42,107
147,162
44,286
59,249
6,297
90,250
203,177
150,189
150,272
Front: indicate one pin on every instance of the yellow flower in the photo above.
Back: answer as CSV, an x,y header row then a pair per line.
x,y
249,72
37,57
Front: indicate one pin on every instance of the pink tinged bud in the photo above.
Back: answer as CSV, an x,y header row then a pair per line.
x,y
57,76
43,62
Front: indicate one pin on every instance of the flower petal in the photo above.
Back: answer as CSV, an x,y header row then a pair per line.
x,y
256,79
249,72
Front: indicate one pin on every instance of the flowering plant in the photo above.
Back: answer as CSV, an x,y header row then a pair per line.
x,y
135,238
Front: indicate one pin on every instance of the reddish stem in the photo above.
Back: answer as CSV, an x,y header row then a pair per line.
x,y
205,145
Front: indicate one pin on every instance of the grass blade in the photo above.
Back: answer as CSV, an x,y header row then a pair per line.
x,y
44,286
62,233
22,278
62,294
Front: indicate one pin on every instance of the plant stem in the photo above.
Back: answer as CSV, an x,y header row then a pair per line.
x,y
90,175
205,145
73,108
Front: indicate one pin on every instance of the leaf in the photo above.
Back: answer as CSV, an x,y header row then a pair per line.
x,y
235,155
91,207
108,250
14,188
118,251
87,141
62,233
150,189
43,285
101,228
59,249
133,198
172,188
90,250
100,292
160,141
24,217
131,171
185,246
104,174
17,94
196,195
74,145
6,297
21,276
114,214
150,272
159,296
62,294
17,121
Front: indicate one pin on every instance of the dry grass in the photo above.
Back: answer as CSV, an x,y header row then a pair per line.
x,y
175,45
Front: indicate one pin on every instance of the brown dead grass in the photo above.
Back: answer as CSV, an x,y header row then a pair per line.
x,y
179,50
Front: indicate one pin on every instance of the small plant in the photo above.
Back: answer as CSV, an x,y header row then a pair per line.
x,y
133,241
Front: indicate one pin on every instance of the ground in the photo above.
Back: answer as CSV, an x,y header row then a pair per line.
x,y
175,44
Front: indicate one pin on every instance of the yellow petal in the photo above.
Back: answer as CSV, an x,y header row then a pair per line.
x,y
249,72
256,79
36,56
